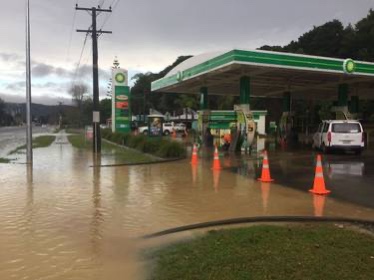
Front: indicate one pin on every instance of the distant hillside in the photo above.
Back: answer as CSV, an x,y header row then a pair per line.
x,y
39,112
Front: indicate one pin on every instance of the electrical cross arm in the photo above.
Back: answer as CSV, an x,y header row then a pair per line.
x,y
98,31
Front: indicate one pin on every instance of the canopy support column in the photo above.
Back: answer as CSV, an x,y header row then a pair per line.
x,y
287,101
203,98
343,95
355,104
245,90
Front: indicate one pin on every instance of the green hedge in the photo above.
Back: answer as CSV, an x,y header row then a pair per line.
x,y
164,148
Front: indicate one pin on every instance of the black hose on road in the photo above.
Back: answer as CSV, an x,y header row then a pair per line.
x,y
249,220
139,163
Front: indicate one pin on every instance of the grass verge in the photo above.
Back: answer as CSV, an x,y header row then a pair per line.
x,y
269,252
109,151
4,160
37,142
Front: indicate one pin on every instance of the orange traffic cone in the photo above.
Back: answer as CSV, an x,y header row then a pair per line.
x,y
319,182
265,174
194,159
216,162
319,205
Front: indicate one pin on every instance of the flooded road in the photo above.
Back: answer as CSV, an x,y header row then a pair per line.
x,y
67,220
350,177
15,136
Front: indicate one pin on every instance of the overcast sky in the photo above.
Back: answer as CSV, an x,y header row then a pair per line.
x,y
147,35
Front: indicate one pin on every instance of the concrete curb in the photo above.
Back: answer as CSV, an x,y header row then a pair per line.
x,y
157,160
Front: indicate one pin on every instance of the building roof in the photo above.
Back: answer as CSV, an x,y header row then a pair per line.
x,y
271,73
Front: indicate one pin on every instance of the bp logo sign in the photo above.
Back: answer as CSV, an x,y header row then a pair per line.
x,y
120,78
349,66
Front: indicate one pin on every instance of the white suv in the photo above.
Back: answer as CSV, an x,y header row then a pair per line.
x,y
167,129
339,135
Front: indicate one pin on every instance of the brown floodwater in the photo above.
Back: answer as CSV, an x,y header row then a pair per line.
x,y
66,220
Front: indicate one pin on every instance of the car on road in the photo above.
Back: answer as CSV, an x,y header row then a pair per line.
x,y
347,135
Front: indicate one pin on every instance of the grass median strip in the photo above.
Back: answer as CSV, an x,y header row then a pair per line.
x,y
37,142
269,252
109,151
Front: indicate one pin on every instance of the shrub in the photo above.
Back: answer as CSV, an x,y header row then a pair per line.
x,y
136,141
125,138
171,149
106,132
151,146
156,146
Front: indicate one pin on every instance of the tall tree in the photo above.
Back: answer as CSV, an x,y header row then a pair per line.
x,y
364,39
105,109
79,93
333,40
143,99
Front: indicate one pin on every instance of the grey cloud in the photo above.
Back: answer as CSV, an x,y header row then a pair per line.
x,y
85,71
10,57
42,70
222,23
155,33
16,86
45,99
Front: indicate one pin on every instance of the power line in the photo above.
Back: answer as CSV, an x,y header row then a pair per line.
x,y
81,55
115,5
108,15
71,33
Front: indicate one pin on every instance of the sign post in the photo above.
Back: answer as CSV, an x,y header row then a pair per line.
x,y
121,109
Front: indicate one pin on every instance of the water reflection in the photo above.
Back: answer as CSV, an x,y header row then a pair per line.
x,y
194,173
97,216
29,211
339,169
265,191
216,175
319,205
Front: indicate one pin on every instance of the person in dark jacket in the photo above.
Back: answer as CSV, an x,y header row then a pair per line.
x,y
208,138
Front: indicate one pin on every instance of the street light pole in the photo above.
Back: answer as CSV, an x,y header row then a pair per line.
x,y
29,157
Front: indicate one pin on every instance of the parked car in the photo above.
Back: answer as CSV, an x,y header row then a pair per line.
x,y
339,135
167,129
180,127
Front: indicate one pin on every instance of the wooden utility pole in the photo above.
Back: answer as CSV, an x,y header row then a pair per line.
x,y
96,108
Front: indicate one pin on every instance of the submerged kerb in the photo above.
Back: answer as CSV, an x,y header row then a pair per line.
x,y
267,59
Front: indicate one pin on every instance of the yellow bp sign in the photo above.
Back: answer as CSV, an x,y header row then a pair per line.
x,y
121,109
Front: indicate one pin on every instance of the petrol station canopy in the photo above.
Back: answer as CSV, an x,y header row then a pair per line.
x,y
271,74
